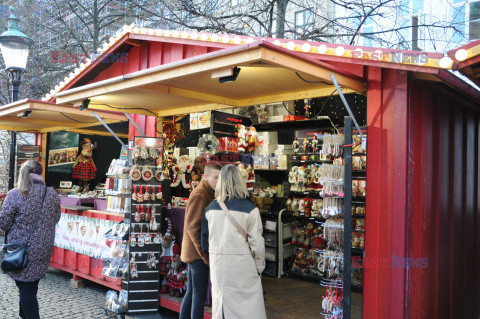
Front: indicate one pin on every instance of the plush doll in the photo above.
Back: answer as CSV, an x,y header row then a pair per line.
x,y
181,172
84,168
250,178
170,249
309,235
176,280
241,133
252,139
301,179
317,240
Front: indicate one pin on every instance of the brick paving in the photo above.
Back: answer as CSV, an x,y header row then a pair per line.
x,y
58,299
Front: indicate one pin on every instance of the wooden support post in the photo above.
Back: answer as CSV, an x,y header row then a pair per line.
x,y
77,282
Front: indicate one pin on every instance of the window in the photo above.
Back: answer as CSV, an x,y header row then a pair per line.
x,y
458,24
367,39
474,21
303,18
417,6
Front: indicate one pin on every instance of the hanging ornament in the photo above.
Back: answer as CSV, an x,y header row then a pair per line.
x,y
147,173
144,152
135,173
153,221
141,238
137,214
159,193
152,261
154,153
157,239
133,267
308,114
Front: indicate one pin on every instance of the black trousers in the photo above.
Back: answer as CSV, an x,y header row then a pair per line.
x,y
28,299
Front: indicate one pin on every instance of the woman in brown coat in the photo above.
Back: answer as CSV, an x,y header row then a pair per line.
x,y
17,218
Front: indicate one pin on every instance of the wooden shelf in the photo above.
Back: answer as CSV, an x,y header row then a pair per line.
x,y
317,124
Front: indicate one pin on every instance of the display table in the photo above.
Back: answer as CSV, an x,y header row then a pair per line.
x,y
81,265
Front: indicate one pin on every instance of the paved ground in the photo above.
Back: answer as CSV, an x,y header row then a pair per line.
x,y
58,299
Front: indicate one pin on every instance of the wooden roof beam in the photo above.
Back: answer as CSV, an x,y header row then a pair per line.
x,y
211,98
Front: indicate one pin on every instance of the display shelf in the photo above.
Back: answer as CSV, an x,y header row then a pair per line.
x,y
305,218
358,215
357,287
358,231
299,275
313,161
317,124
270,170
359,172
358,199
357,251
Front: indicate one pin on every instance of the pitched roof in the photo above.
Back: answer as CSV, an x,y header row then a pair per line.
x,y
332,53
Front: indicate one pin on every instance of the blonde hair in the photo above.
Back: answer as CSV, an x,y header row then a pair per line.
x,y
24,179
231,184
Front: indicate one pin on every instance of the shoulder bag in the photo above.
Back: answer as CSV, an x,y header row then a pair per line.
x,y
15,254
235,224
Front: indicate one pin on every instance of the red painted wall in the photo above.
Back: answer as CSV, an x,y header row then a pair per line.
x,y
422,251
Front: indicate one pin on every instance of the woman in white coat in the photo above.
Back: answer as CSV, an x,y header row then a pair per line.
x,y
236,249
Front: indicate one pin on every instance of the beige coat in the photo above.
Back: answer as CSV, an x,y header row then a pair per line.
x,y
235,274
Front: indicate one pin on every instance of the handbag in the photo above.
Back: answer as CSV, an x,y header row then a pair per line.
x,y
15,254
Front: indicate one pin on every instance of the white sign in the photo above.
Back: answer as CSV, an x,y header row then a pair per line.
x,y
83,235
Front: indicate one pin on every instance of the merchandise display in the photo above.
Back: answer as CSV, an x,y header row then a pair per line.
x,y
145,240
298,187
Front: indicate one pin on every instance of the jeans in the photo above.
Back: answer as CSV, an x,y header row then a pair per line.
x,y
28,299
194,300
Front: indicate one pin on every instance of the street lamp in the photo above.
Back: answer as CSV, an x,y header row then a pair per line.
x,y
14,46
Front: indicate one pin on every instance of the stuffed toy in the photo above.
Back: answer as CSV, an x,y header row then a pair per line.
x,y
253,141
84,168
170,249
250,178
317,240
176,278
309,235
241,133
182,171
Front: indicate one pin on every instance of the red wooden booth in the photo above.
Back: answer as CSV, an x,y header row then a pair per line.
x,y
421,250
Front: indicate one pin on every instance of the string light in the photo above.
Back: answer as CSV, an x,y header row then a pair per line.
x,y
461,55
291,45
322,49
306,47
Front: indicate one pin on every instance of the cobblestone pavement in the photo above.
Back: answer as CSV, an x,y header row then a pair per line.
x,y
58,299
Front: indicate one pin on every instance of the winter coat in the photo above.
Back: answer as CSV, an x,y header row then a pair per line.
x,y
17,218
199,199
234,272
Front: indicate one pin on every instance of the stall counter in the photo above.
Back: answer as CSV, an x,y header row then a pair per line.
x,y
82,265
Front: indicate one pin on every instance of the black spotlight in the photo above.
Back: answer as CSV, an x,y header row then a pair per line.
x,y
84,105
230,78
26,114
